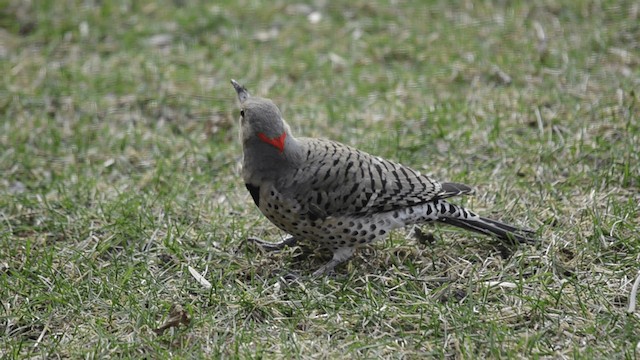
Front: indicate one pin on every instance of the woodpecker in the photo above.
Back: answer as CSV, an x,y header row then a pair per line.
x,y
338,197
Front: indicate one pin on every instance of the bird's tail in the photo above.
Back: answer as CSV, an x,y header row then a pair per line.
x,y
463,218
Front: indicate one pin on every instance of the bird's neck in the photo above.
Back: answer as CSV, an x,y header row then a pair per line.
x,y
269,158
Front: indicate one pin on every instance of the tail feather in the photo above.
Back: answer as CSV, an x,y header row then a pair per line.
x,y
493,228
458,216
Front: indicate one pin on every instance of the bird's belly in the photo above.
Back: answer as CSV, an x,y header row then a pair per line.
x,y
331,232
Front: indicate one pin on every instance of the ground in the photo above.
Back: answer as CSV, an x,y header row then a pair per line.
x,y
120,182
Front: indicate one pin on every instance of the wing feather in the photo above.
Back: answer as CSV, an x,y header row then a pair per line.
x,y
342,180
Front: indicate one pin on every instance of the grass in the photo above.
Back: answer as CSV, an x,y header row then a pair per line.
x,y
120,168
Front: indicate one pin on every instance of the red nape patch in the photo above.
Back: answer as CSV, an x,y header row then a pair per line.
x,y
278,142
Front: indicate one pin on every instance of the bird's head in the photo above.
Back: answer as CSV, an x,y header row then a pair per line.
x,y
261,121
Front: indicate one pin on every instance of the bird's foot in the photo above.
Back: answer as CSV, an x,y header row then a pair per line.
x,y
269,246
326,270
339,256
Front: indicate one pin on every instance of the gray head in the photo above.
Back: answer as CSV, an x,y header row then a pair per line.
x,y
269,149
261,121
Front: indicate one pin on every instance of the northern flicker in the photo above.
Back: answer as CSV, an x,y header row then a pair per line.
x,y
338,197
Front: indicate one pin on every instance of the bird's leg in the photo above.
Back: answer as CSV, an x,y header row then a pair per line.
x,y
269,246
339,256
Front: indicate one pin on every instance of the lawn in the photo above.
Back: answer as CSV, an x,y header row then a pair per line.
x,y
120,177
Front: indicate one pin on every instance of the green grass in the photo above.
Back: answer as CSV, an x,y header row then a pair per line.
x,y
119,163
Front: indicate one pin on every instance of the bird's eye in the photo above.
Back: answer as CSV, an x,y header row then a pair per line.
x,y
242,113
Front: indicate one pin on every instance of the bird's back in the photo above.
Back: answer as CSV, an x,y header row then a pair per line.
x,y
336,180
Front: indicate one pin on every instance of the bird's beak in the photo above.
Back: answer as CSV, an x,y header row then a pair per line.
x,y
243,94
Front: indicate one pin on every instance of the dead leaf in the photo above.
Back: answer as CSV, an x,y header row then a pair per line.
x,y
177,316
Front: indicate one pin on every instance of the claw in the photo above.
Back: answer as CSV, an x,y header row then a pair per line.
x,y
339,256
268,246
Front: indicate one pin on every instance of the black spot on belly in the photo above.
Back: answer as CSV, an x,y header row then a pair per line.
x,y
255,193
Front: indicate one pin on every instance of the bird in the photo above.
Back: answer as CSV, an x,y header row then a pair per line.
x,y
340,198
